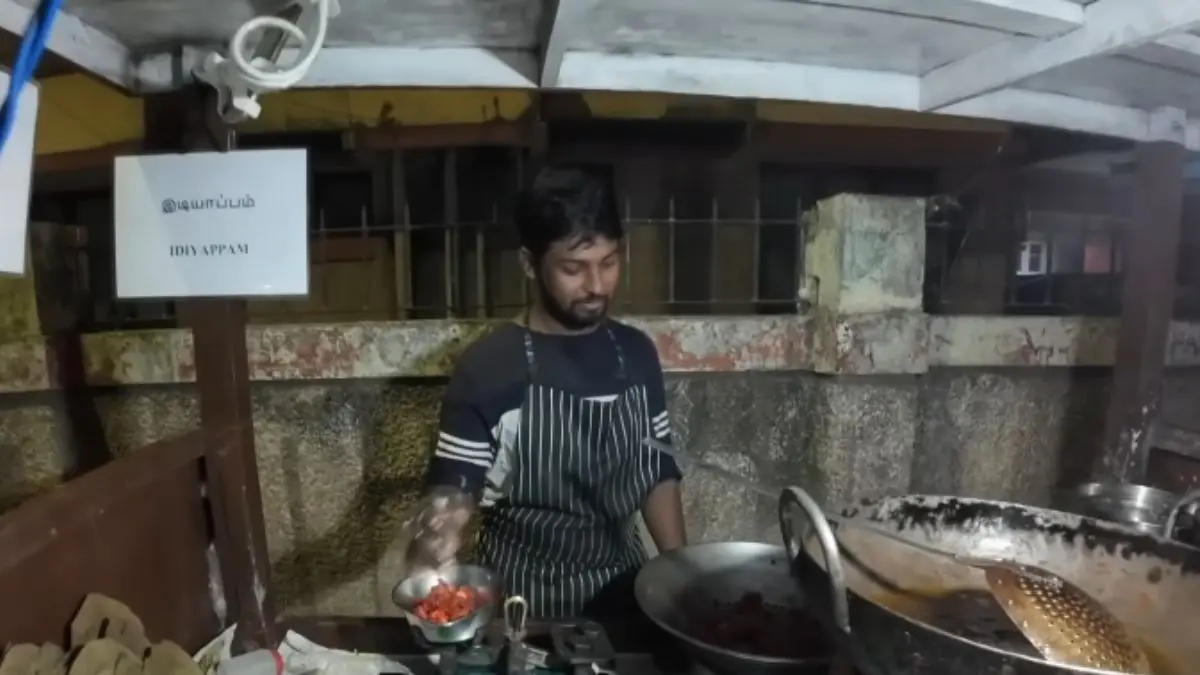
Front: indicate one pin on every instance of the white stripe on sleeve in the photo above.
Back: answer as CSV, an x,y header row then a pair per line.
x,y
460,449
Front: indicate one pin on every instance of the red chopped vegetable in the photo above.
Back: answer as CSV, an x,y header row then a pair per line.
x,y
447,603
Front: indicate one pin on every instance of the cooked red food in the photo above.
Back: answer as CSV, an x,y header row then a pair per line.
x,y
753,626
447,603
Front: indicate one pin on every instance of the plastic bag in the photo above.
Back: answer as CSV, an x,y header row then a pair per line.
x,y
437,529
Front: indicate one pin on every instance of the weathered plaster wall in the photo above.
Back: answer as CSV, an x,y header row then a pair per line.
x,y
342,432
1015,434
340,463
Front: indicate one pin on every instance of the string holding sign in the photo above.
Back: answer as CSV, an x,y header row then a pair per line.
x,y
33,45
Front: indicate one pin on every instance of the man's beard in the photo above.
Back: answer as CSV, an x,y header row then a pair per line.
x,y
575,316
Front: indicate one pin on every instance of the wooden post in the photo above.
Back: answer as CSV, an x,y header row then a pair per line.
x,y
1147,298
187,121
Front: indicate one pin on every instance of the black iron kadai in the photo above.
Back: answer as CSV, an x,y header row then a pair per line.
x,y
895,609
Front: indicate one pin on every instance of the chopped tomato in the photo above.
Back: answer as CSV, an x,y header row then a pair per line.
x,y
447,603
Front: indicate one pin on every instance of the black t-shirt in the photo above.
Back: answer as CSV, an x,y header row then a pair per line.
x,y
481,409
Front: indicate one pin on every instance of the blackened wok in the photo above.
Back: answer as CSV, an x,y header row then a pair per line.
x,y
895,610
672,586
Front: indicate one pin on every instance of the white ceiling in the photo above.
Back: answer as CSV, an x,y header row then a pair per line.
x,y
144,24
772,30
1127,68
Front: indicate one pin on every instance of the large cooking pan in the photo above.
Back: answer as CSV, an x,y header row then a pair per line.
x,y
673,588
899,611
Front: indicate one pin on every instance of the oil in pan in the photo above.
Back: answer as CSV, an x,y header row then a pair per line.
x,y
974,614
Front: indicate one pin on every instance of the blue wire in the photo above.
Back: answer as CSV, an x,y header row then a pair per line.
x,y
33,44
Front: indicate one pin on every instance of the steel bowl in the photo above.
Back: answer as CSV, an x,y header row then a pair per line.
x,y
720,572
1143,508
416,588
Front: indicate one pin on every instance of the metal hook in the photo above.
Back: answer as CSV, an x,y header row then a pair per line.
x,y
516,612
1184,505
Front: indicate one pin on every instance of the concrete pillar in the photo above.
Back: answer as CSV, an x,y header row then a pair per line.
x,y
865,263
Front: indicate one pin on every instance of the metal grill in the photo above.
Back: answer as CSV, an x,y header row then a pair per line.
x,y
472,270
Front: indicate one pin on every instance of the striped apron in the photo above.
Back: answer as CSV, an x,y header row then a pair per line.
x,y
565,537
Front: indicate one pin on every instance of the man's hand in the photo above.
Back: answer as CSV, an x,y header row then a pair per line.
x,y
440,525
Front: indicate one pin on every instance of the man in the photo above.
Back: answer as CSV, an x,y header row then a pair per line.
x,y
543,420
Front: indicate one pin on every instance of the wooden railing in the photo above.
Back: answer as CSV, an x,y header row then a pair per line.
x,y
136,529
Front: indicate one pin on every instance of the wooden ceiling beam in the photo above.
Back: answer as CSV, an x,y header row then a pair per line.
x,y
1109,27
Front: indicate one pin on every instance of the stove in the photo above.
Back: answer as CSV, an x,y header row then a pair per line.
x,y
559,648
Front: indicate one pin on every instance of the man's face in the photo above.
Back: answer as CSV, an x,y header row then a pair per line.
x,y
577,279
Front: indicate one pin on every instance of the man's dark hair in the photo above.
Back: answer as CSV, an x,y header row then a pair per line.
x,y
571,204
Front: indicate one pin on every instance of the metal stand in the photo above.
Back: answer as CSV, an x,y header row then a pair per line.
x,y
478,652
580,648
584,646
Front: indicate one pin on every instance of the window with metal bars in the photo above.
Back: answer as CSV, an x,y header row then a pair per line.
x,y
425,233
1067,263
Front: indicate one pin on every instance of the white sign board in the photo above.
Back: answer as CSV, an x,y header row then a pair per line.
x,y
16,175
212,224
